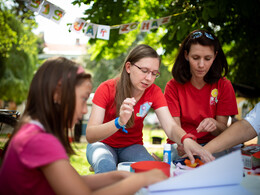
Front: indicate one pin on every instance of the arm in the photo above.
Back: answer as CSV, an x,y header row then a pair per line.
x,y
64,180
175,132
237,133
177,120
98,181
97,131
132,184
215,126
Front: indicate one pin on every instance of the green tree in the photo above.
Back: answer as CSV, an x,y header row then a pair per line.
x,y
18,52
235,22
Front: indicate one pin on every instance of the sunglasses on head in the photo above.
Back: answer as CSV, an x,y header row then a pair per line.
x,y
198,34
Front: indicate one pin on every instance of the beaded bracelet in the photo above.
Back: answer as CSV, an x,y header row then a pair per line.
x,y
119,126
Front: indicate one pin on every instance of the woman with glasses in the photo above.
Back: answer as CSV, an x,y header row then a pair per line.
x,y
199,96
114,130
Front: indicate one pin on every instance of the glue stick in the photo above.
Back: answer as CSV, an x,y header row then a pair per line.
x,y
167,153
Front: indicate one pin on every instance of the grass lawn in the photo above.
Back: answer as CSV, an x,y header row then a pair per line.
x,y
80,163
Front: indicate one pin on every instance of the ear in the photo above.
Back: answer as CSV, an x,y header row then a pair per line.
x,y
186,55
57,94
127,67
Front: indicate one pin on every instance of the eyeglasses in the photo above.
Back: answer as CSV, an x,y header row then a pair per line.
x,y
198,34
155,73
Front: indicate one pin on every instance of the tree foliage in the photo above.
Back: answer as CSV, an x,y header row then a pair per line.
x,y
18,52
235,23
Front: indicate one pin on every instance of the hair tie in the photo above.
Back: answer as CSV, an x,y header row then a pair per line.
x,y
80,70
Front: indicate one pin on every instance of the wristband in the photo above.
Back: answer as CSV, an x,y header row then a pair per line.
x,y
188,135
119,126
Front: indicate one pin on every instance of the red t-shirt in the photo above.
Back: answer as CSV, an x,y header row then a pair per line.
x,y
193,105
105,96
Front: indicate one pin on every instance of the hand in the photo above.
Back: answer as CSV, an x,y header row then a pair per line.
x,y
156,158
193,148
153,176
207,125
180,150
123,174
126,110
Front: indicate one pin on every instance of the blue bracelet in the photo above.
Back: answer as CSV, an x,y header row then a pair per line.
x,y
119,126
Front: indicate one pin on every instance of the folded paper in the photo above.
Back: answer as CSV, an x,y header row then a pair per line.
x,y
227,170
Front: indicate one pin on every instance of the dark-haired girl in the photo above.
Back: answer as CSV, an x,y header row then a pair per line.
x,y
199,96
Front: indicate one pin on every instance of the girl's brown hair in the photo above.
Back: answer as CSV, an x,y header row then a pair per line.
x,y
124,85
55,117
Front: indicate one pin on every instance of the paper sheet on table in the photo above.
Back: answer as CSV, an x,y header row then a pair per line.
x,y
231,189
227,170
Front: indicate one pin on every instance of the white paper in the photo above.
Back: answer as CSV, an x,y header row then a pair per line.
x,y
46,9
103,32
35,5
91,30
219,190
78,25
227,170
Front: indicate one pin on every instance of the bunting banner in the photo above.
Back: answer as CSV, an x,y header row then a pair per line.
x,y
55,14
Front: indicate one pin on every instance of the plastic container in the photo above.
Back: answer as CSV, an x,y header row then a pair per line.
x,y
167,154
126,166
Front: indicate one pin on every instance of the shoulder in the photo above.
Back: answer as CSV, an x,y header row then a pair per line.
x,y
106,87
105,93
224,81
31,133
172,83
31,137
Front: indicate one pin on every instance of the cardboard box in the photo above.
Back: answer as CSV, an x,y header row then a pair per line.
x,y
250,156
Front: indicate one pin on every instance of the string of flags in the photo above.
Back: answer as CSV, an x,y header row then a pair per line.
x,y
55,14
